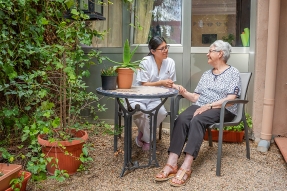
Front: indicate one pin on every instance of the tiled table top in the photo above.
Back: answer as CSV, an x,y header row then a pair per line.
x,y
140,92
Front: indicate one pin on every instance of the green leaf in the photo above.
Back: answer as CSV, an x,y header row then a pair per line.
x,y
56,122
69,3
9,70
85,151
44,21
75,12
126,53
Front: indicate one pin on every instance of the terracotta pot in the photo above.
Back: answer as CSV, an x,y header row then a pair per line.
x,y
27,176
10,172
109,82
69,162
228,136
125,78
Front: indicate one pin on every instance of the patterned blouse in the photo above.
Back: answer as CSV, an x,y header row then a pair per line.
x,y
212,88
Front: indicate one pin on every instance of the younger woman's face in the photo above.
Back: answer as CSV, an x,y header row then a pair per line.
x,y
161,51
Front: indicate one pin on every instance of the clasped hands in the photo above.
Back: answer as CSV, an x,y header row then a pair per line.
x,y
169,83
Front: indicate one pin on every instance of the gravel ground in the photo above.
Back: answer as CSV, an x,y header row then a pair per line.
x,y
263,172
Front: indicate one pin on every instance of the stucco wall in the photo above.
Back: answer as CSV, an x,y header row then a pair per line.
x,y
279,126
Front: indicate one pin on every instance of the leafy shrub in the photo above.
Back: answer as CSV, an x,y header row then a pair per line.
x,y
42,68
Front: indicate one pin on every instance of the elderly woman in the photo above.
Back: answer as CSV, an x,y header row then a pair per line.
x,y
221,83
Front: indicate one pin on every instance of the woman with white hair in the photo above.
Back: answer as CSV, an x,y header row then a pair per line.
x,y
216,85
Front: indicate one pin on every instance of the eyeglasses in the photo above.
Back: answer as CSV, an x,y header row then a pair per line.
x,y
163,48
210,51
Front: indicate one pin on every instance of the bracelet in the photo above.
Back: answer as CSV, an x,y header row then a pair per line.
x,y
210,105
178,88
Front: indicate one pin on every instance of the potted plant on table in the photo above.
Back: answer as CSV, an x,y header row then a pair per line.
x,y
126,68
231,133
109,78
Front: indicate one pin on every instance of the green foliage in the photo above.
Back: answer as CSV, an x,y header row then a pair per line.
x,y
109,72
240,127
127,57
229,38
42,68
17,181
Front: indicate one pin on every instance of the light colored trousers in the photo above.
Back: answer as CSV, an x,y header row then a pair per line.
x,y
142,120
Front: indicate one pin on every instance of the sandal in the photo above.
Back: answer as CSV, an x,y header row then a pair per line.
x,y
180,178
165,175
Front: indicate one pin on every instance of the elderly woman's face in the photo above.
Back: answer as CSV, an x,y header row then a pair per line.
x,y
212,55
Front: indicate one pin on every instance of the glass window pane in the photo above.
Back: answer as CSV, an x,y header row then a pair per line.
x,y
220,19
158,17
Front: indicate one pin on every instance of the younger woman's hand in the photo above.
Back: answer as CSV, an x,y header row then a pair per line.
x,y
180,88
167,83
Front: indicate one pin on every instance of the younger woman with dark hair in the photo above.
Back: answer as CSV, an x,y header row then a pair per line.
x,y
157,70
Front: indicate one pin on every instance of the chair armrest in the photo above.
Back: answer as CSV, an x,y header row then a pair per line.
x,y
222,110
233,101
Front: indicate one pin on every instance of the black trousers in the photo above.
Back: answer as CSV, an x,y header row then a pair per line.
x,y
191,129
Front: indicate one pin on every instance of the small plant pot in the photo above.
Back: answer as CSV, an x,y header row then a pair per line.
x,y
27,176
10,172
109,82
228,136
125,78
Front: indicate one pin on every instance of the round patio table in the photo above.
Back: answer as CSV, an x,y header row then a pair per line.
x,y
140,92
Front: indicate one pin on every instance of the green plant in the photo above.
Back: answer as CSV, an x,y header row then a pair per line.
x,y
17,182
229,38
108,72
240,127
127,57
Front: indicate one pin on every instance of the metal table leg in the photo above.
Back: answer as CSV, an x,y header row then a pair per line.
x,y
128,113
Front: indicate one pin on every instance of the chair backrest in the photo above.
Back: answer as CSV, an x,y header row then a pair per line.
x,y
245,79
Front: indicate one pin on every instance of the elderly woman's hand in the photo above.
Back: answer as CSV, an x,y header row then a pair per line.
x,y
201,109
181,89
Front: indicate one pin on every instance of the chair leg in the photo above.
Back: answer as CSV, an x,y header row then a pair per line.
x,y
219,152
116,125
209,137
246,137
160,131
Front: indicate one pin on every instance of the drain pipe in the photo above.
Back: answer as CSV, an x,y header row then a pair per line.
x,y
270,76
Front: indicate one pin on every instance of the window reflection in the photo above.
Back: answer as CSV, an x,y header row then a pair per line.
x,y
158,18
219,19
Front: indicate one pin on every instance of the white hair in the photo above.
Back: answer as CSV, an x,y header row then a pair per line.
x,y
225,47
